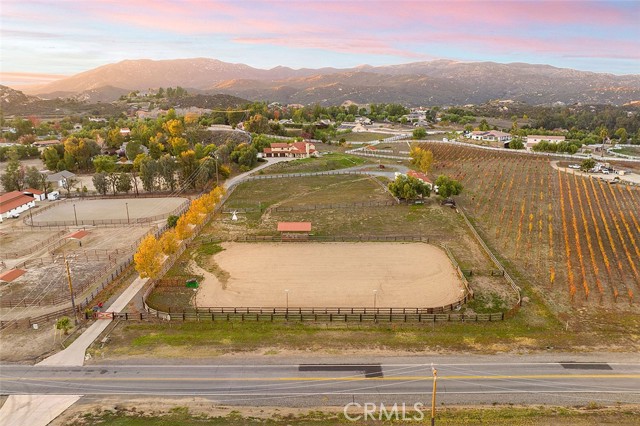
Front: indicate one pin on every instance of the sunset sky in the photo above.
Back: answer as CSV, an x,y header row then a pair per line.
x,y
43,40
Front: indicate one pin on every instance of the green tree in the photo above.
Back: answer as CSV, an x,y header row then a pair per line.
x,y
33,178
124,182
172,220
13,178
484,125
587,164
133,149
257,124
148,172
104,163
409,188
516,143
167,168
448,187
621,134
419,133
51,158
187,167
64,324
100,183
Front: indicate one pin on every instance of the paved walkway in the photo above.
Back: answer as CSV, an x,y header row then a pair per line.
x,y
40,410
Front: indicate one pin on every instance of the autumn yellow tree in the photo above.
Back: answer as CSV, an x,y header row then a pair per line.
x,y
174,127
183,228
421,158
148,258
169,242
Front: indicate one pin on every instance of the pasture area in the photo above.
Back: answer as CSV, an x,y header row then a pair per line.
x,y
575,239
108,209
328,161
259,195
330,275
313,199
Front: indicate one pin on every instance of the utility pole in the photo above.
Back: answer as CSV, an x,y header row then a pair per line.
x,y
433,396
75,214
73,301
127,206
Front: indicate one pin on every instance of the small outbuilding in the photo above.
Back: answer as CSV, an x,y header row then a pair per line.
x,y
294,230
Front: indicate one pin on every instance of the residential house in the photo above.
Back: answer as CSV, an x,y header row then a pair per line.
x,y
125,131
536,139
490,136
359,128
421,177
13,203
60,178
296,150
46,143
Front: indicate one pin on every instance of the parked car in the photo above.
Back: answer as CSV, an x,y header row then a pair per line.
x,y
574,166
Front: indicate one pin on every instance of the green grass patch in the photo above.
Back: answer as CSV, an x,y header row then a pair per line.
x,y
202,339
628,150
330,161
498,416
486,303
261,194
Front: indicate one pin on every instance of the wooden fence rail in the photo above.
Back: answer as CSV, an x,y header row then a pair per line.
x,y
308,316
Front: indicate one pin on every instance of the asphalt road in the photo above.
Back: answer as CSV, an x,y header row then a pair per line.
x,y
333,384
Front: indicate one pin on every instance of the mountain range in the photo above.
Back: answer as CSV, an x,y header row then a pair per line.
x,y
440,82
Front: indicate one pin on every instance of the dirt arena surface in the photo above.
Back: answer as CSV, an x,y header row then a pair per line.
x,y
108,209
330,275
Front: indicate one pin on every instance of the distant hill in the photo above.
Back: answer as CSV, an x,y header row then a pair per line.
x,y
439,82
98,102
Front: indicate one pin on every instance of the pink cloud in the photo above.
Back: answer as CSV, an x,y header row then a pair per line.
x,y
353,46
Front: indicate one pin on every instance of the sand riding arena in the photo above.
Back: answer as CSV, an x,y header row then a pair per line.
x,y
312,274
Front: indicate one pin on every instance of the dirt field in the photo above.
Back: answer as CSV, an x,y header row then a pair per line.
x,y
329,275
109,209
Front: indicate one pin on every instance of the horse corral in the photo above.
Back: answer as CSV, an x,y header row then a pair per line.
x,y
329,275
117,209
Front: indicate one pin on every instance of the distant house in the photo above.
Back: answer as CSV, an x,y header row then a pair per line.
x,y
359,128
364,120
533,140
60,178
490,136
296,150
35,193
13,203
46,143
77,127
125,131
421,177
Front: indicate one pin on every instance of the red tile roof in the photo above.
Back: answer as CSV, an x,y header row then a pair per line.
x,y
11,200
78,235
33,191
11,275
294,226
419,175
